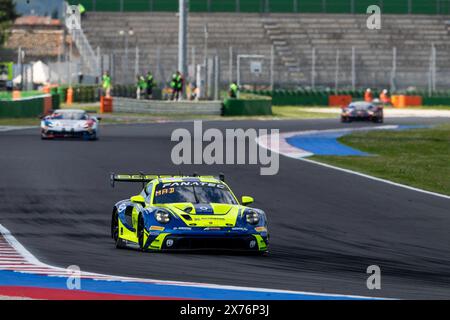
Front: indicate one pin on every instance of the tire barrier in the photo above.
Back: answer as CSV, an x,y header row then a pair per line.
x,y
406,101
339,101
29,107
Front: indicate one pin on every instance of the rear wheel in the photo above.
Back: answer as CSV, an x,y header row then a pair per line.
x,y
115,231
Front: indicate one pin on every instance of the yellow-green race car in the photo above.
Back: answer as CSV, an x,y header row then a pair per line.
x,y
187,213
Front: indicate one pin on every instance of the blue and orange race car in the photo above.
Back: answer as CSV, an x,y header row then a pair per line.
x,y
187,213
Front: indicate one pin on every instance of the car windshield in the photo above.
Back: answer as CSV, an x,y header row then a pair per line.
x,y
69,116
193,192
359,106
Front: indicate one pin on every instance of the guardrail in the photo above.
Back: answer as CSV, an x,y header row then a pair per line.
x,y
126,105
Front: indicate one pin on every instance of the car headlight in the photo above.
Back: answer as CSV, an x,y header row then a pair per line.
x,y
162,216
252,217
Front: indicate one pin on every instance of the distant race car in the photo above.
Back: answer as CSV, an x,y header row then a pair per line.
x,y
70,123
363,111
187,213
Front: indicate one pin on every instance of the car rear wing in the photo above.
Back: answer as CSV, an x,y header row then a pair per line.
x,y
146,178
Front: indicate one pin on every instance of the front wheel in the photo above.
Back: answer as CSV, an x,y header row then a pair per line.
x,y
44,136
379,120
93,136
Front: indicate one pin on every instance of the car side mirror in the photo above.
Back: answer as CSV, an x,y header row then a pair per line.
x,y
247,200
138,199
99,118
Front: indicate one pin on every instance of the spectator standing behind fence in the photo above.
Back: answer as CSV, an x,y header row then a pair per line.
x,y
194,92
81,9
150,85
234,90
141,86
368,96
384,98
106,84
177,86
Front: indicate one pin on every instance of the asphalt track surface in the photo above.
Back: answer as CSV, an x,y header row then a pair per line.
x,y
326,226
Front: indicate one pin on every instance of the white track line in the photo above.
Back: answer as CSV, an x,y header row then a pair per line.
x,y
36,267
15,128
289,151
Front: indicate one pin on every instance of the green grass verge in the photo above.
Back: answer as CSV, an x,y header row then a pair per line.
x,y
292,112
430,108
418,158
284,113
19,122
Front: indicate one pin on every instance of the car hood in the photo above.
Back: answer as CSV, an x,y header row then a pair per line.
x,y
67,123
206,215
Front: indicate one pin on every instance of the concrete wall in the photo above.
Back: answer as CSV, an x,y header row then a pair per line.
x,y
212,108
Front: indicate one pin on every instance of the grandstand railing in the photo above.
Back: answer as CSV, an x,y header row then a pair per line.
x,y
434,7
89,56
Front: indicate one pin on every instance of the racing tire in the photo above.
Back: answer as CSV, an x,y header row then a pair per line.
x,y
140,232
93,137
378,120
120,243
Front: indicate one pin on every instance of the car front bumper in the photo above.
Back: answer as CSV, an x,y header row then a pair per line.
x,y
362,117
49,133
188,242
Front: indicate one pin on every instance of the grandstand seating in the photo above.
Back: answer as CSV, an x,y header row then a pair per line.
x,y
293,36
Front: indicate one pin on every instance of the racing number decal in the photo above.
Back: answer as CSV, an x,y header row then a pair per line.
x,y
164,191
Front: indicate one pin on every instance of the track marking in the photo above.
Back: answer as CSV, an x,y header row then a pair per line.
x,y
15,128
35,267
285,149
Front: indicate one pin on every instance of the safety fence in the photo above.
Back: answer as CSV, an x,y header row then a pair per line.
x,y
321,68
275,6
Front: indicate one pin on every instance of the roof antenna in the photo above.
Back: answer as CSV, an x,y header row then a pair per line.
x,y
222,177
112,180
